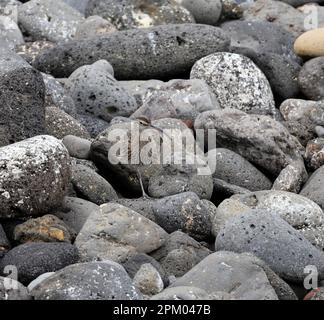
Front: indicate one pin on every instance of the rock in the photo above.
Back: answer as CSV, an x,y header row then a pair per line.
x,y
30,50
310,43
75,212
314,154
94,125
278,13
116,233
78,147
56,95
152,53
129,14
95,92
4,242
270,238
300,212
16,291
180,253
59,124
236,82
204,11
313,189
88,281
148,280
259,139
230,273
91,185
233,9
22,94
34,259
182,293
92,27
44,20
311,77
134,263
79,5
39,280
316,294
234,169
39,168
10,34
180,99
185,212
48,228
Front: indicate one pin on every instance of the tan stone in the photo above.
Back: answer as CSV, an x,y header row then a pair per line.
x,y
310,43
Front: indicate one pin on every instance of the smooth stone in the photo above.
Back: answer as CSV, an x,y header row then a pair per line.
x,y
300,212
34,259
185,212
152,53
314,155
148,280
204,11
258,138
231,273
116,233
22,94
311,79
75,212
129,14
39,280
60,124
313,189
310,43
18,293
95,92
78,147
94,125
272,239
316,294
236,81
39,168
91,186
48,228
79,5
10,34
182,293
236,170
46,20
105,280
92,27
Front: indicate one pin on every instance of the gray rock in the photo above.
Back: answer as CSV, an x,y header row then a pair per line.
x,y
4,242
46,20
78,147
204,11
16,292
94,26
129,14
230,273
270,238
278,13
88,281
180,99
10,34
185,212
30,50
39,280
91,186
148,280
79,5
236,81
34,259
152,53
22,94
60,124
94,125
234,169
259,139
56,95
316,294
75,212
39,168
314,152
116,233
300,212
95,92
182,293
248,37
313,189
311,79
